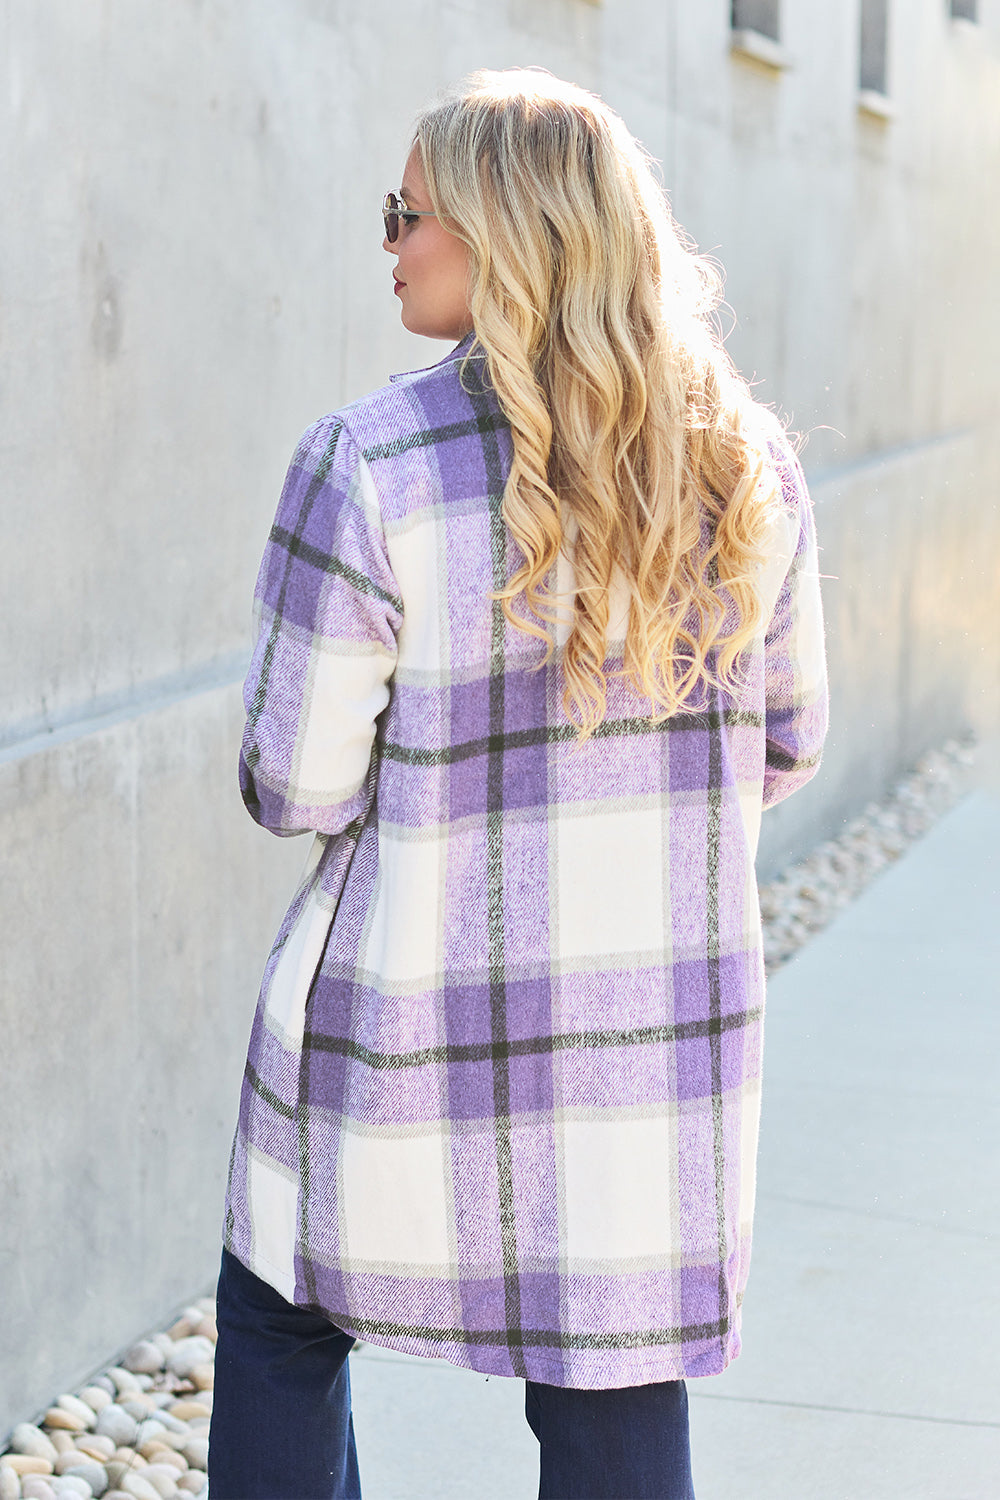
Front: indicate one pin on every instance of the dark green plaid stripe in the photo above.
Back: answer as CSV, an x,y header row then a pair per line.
x,y
504,1048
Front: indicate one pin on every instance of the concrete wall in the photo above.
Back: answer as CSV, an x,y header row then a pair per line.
x,y
190,273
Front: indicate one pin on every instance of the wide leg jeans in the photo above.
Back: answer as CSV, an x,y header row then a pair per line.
x,y
282,1426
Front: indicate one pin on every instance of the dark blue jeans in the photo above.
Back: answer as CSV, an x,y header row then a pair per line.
x,y
282,1428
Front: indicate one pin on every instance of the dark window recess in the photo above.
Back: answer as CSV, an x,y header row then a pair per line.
x,y
873,73
757,15
965,10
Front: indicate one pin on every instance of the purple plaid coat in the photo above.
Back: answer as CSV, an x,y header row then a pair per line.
x,y
502,1092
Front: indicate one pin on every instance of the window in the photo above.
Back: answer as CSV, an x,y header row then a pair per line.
x,y
756,33
965,10
873,74
757,15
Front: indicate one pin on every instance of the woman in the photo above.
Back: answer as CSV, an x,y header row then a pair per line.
x,y
539,635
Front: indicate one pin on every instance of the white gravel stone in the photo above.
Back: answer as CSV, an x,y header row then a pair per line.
x,y
168,1422
95,1446
96,1475
163,1479
95,1397
35,1487
114,1422
72,1487
189,1409
10,1484
25,1463
58,1419
173,1440
123,1380
171,1458
32,1441
137,1410
144,1358
152,1428
78,1408
196,1452
129,1458
187,1354
139,1487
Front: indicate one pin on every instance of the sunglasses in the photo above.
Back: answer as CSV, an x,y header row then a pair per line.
x,y
394,209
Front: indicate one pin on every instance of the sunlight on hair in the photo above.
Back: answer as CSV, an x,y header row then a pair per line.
x,y
627,416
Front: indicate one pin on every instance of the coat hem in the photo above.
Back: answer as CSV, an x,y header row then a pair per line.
x,y
541,1370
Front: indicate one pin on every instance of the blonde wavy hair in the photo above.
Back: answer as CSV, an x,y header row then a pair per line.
x,y
637,448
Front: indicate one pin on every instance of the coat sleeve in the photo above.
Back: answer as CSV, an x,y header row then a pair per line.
x,y
795,687
327,612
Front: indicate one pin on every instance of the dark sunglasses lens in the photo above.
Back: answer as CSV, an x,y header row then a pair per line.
x,y
391,227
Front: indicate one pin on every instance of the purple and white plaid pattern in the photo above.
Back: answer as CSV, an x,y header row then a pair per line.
x,y
502,1092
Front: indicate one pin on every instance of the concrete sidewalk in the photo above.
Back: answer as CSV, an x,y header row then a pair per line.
x,y
872,1320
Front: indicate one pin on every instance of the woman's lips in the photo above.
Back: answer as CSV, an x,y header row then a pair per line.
x,y
397,284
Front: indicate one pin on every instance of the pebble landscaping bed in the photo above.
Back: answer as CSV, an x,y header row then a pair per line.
x,y
139,1431
808,895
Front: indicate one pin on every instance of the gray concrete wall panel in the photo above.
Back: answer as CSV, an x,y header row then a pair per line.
x,y
139,906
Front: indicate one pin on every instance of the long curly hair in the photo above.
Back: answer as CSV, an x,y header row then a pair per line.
x,y
637,448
